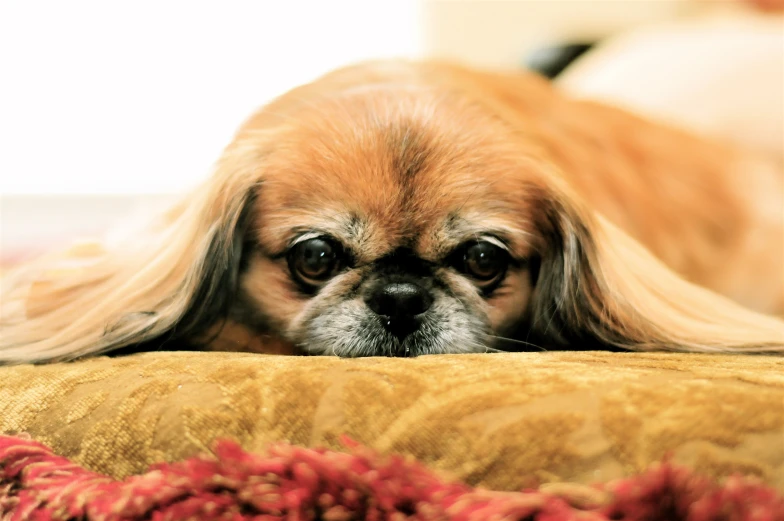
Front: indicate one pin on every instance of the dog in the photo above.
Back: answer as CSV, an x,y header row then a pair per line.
x,y
398,208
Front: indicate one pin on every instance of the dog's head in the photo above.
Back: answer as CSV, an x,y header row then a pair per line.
x,y
383,211
388,222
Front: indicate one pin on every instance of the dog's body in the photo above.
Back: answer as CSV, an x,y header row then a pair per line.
x,y
402,209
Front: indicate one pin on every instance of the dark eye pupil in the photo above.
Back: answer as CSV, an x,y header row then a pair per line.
x,y
315,259
484,261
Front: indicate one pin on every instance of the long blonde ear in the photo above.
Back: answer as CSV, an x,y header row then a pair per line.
x,y
164,284
599,288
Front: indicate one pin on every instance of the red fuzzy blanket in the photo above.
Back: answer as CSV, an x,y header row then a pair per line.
x,y
293,483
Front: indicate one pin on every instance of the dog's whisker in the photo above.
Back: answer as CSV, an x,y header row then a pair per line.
x,y
488,349
516,342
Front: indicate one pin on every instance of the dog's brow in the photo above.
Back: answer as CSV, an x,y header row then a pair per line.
x,y
306,237
493,239
457,230
348,228
499,237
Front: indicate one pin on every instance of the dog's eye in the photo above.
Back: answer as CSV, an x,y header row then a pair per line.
x,y
484,261
314,260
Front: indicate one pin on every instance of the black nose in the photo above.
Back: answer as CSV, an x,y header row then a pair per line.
x,y
398,303
400,299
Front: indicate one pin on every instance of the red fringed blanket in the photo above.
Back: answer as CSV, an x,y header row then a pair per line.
x,y
293,483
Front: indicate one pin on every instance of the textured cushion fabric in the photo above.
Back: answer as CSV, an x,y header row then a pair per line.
x,y
294,483
504,421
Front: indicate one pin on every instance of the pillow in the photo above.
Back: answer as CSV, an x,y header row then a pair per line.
x,y
503,421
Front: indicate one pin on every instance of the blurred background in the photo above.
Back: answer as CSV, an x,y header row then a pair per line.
x,y
109,107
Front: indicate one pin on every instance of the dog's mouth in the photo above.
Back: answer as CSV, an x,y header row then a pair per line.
x,y
408,336
353,329
400,328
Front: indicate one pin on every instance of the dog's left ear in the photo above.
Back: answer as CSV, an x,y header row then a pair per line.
x,y
597,288
169,282
217,270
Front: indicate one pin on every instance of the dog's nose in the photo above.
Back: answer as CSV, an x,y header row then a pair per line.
x,y
398,303
400,299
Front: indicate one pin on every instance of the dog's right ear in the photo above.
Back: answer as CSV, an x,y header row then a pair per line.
x,y
598,288
165,283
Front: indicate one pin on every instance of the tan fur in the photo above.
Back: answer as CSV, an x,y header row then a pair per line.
x,y
639,227
696,204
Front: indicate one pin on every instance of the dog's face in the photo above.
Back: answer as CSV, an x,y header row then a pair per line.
x,y
387,224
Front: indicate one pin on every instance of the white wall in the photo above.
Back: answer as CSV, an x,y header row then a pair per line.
x,y
105,104
109,97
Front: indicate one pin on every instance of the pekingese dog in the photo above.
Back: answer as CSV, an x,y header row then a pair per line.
x,y
402,209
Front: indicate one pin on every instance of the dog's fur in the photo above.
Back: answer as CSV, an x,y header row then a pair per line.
x,y
620,232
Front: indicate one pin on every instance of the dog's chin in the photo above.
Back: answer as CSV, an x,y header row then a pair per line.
x,y
352,330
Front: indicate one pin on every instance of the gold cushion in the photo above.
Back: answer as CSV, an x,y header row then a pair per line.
x,y
504,421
